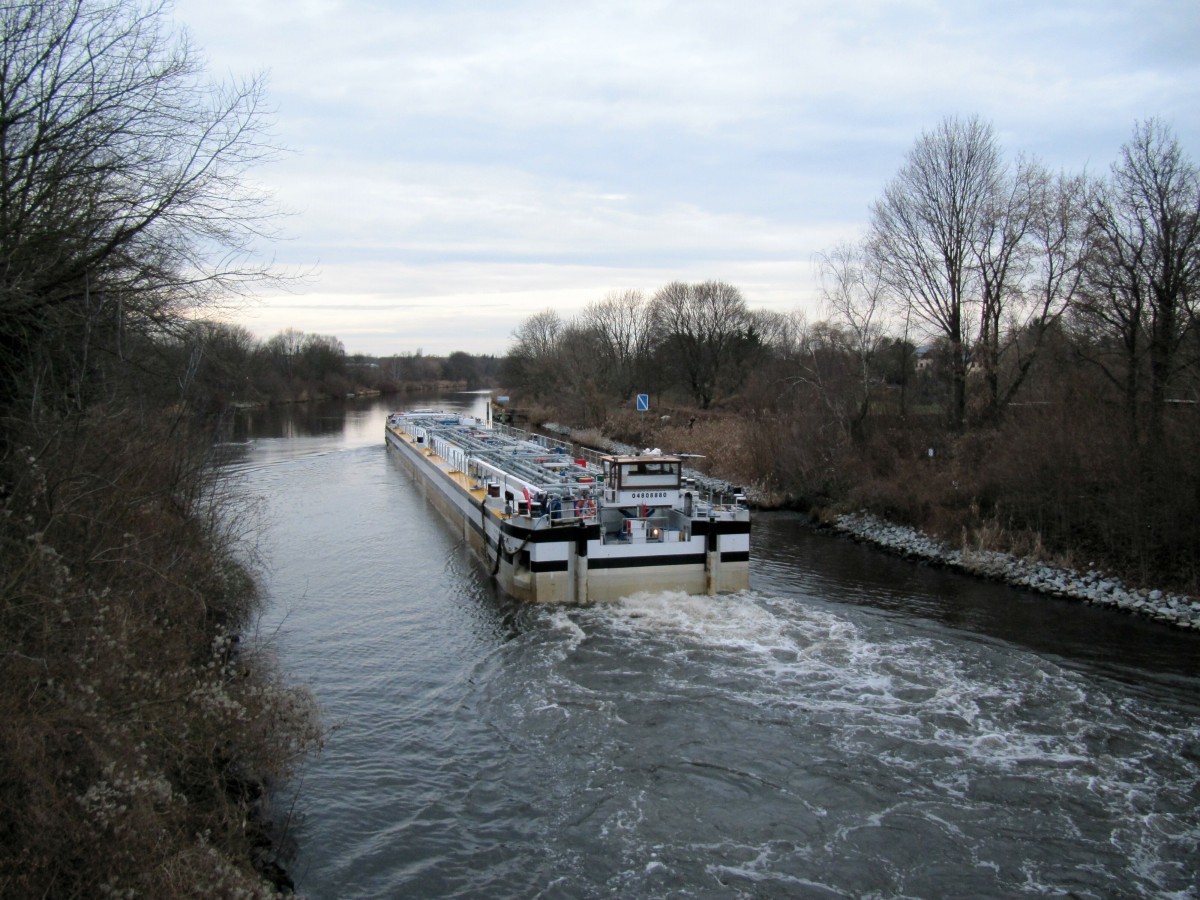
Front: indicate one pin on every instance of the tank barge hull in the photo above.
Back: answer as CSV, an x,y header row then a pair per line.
x,y
555,527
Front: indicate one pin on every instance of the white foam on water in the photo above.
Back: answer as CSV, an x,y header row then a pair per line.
x,y
733,621
763,868
960,744
560,620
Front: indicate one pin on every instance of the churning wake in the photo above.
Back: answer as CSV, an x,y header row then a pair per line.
x,y
752,742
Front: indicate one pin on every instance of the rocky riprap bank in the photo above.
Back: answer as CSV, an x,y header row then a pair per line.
x,y
1090,587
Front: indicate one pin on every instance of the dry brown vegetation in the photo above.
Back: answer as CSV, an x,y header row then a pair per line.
x,y
1058,481
143,726
1011,360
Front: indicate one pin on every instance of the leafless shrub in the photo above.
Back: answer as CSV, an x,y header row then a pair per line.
x,y
140,734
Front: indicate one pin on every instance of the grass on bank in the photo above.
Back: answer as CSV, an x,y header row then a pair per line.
x,y
142,729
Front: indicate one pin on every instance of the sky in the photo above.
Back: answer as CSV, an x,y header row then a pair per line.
x,y
451,168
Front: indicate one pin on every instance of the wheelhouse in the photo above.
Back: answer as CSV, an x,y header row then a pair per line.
x,y
642,480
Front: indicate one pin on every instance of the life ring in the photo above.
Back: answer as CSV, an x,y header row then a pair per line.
x,y
585,507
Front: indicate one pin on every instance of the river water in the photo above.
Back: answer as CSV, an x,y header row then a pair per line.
x,y
853,726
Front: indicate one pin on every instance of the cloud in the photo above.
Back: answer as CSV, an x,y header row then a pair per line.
x,y
538,152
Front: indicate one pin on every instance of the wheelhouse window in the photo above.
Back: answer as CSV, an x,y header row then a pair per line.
x,y
659,473
650,468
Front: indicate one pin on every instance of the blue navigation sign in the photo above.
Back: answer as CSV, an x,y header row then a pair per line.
x,y
643,402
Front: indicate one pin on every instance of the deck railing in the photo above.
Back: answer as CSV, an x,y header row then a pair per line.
x,y
576,451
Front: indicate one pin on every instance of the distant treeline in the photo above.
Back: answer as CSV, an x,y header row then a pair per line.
x,y
226,365
1010,358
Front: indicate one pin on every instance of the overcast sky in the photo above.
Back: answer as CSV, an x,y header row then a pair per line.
x,y
454,167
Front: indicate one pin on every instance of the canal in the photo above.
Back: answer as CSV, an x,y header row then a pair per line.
x,y
853,725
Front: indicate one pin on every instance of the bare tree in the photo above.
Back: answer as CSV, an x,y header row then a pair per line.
x,y
826,366
579,373
323,355
461,366
703,330
223,355
775,330
1002,259
620,323
926,228
1143,266
284,349
532,364
123,195
538,335
1052,273
855,296
782,344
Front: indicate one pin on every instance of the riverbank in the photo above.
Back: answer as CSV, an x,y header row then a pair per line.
x,y
1091,587
346,392
146,726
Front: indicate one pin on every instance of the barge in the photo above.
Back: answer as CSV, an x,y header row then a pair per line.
x,y
557,524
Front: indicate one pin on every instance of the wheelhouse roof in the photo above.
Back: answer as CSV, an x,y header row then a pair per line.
x,y
644,458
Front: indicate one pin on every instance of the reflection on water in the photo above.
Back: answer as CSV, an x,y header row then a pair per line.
x,y
353,422
855,725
